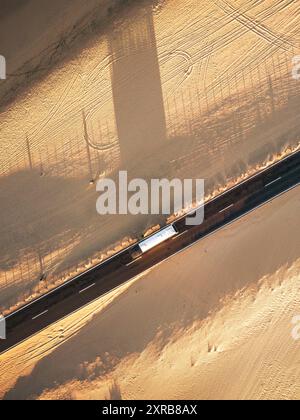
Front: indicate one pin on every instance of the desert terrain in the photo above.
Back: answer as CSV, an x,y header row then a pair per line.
x,y
220,104
187,89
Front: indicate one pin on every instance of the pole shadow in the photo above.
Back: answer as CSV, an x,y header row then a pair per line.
x,y
137,90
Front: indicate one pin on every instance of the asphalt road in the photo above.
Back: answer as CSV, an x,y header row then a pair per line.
x,y
112,273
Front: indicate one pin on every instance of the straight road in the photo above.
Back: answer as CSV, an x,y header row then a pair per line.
x,y
101,279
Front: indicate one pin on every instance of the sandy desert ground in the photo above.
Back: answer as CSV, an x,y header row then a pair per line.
x,y
221,103
214,321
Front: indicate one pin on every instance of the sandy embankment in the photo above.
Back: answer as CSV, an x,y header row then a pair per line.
x,y
212,322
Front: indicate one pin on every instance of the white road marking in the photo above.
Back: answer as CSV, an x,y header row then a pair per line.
x,y
132,262
87,288
273,182
226,208
167,259
184,217
239,184
68,282
37,316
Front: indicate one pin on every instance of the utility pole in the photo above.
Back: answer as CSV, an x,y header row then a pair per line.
x,y
86,138
29,153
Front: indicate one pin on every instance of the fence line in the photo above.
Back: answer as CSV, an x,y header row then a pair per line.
x,y
247,99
